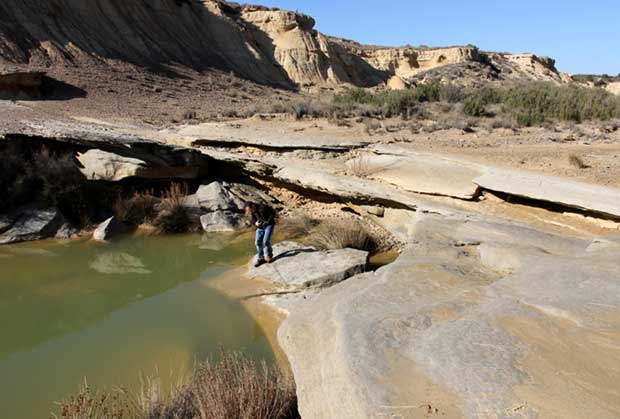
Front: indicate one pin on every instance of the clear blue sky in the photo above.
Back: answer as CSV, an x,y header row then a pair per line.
x,y
582,35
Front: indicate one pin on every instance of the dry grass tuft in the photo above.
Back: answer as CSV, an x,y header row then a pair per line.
x,y
296,226
233,388
576,161
237,388
173,216
139,209
362,166
341,234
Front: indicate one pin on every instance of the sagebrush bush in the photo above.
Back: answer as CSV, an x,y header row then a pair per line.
x,y
172,215
232,388
36,174
527,104
392,103
139,209
473,105
342,234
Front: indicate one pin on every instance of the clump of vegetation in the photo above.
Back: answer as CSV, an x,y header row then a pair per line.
x,y
172,216
341,234
535,103
46,175
576,161
473,105
527,104
391,103
235,387
296,226
362,166
141,208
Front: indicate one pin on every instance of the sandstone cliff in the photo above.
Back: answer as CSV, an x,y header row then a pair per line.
x,y
269,46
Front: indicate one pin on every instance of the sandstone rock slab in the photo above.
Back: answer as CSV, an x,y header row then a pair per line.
x,y
33,224
582,196
425,173
297,266
442,326
102,165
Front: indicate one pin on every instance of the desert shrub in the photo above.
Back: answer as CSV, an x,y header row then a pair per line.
x,y
139,209
576,161
503,122
392,102
38,174
362,166
297,226
172,216
234,387
342,234
535,103
473,106
355,96
452,93
189,115
238,388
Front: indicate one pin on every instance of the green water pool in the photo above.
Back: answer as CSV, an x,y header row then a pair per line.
x,y
111,312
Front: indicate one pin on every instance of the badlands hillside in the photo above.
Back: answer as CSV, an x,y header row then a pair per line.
x,y
271,47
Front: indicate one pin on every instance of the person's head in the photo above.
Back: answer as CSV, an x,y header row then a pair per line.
x,y
250,208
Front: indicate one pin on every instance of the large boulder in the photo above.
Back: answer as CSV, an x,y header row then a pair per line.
x,y
220,205
296,266
218,196
221,222
33,224
102,165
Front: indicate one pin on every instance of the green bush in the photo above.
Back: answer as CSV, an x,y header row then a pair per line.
x,y
528,104
473,105
535,103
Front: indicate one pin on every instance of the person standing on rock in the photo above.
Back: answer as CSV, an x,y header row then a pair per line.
x,y
264,218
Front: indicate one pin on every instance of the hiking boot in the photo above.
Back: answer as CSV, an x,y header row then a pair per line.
x,y
258,263
269,259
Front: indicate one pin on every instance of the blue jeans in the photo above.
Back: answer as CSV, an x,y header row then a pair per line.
x,y
263,241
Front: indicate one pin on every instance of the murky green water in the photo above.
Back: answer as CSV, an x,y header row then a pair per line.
x,y
111,311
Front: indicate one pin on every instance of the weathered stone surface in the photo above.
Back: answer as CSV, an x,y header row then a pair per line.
x,y
565,192
33,224
218,134
108,229
101,165
427,173
353,188
476,319
296,266
218,196
221,221
66,231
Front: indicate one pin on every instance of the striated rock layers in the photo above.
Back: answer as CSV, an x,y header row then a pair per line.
x,y
269,46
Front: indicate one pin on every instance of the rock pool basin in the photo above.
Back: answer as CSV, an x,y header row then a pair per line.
x,y
111,312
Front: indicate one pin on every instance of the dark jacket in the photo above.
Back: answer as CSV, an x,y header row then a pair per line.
x,y
265,215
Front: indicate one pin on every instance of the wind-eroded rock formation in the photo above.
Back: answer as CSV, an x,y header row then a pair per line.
x,y
269,46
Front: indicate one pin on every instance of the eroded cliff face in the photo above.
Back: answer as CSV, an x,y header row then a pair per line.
x,y
154,34
270,46
307,56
